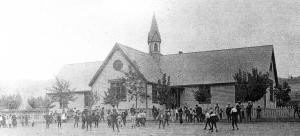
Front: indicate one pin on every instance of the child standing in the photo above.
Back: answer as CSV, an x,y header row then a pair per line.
x,y
133,120
160,118
234,117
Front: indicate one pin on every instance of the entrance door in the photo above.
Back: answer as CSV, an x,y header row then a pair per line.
x,y
176,92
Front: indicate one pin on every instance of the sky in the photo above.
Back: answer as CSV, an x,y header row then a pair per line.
x,y
37,37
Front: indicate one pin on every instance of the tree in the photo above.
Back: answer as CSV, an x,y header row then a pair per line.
x,y
282,94
135,86
61,93
92,99
202,95
12,101
111,98
251,86
33,102
165,96
40,102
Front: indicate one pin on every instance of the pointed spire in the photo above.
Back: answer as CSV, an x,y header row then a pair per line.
x,y
154,35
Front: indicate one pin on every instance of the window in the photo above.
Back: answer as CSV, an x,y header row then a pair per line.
x,y
118,65
118,87
205,93
271,91
155,47
154,94
271,94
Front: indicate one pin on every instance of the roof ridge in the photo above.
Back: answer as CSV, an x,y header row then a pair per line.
x,y
82,62
119,44
220,50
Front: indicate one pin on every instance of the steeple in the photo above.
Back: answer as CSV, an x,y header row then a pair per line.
x,y
154,39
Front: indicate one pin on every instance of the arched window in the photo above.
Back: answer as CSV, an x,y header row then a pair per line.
x,y
155,47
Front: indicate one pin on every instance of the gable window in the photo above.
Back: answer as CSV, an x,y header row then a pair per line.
x,y
154,94
155,47
118,87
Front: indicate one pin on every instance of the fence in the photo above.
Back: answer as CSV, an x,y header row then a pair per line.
x,y
272,113
278,113
34,115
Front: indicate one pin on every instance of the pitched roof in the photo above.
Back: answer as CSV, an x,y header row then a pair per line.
x,y
208,67
79,74
212,67
144,63
154,35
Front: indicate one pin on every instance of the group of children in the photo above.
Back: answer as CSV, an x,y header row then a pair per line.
x,y
163,118
137,118
212,118
8,121
11,120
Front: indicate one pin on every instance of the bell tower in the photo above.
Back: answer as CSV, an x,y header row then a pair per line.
x,y
154,39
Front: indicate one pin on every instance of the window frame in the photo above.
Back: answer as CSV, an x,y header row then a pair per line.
x,y
154,91
118,85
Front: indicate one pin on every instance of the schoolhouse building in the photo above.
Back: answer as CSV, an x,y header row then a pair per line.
x,y
209,71
78,75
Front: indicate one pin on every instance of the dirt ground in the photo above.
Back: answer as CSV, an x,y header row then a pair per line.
x,y
151,129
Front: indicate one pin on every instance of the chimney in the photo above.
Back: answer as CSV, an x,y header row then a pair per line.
x,y
180,52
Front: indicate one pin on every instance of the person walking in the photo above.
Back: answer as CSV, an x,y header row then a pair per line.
x,y
154,112
176,113
1,119
228,110
102,115
217,109
133,119
14,121
47,119
124,116
238,108
207,118
213,120
4,124
191,115
198,113
96,119
221,113
167,117
161,118
114,120
180,113
58,119
234,117
89,121
9,121
185,112
242,112
26,119
108,118
22,120
296,110
258,112
76,119
249,111
83,119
